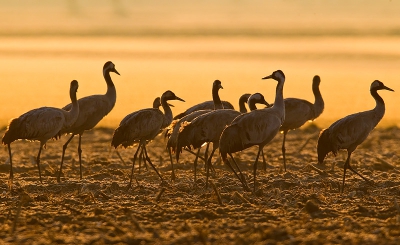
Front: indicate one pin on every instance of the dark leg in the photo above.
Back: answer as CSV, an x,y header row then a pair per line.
x,y
346,165
209,165
10,180
80,155
62,157
284,149
264,162
195,165
38,162
206,156
133,165
140,160
172,164
240,171
255,170
120,157
226,161
151,164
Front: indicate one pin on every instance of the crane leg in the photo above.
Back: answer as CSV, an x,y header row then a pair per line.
x,y
172,165
151,164
347,166
195,166
241,177
206,156
255,170
264,162
209,165
38,162
80,156
284,149
10,180
133,166
62,157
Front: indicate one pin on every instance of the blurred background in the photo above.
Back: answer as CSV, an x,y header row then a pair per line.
x,y
184,46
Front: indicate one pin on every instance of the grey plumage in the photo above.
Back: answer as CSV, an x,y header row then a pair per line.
x,y
92,109
142,126
350,131
257,127
299,111
41,124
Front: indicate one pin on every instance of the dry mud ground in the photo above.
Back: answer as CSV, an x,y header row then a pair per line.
x,y
300,206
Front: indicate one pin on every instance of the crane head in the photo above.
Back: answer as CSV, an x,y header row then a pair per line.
x,y
74,86
276,75
378,85
169,95
217,84
109,67
323,146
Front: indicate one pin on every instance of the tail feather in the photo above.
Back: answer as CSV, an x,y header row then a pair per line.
x,y
184,138
324,145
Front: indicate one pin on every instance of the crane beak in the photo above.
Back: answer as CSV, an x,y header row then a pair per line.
x,y
387,88
171,105
267,77
177,98
115,70
266,103
220,86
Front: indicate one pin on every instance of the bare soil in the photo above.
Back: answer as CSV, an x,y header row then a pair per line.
x,y
300,206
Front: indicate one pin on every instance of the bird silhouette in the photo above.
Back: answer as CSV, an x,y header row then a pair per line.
x,y
41,124
350,131
142,126
92,109
299,111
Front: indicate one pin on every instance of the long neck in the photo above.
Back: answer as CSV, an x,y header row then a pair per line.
x,y
319,102
111,92
216,99
242,101
279,104
167,111
72,114
379,109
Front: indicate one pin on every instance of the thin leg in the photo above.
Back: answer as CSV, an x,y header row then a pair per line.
x,y
264,162
284,149
226,161
346,165
133,165
209,165
80,155
140,160
120,157
151,164
172,164
206,156
240,171
10,180
38,162
195,165
202,158
62,157
255,170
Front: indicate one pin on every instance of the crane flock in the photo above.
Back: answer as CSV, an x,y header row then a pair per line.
x,y
214,121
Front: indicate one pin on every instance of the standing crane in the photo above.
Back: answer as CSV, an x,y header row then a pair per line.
x,y
299,111
92,109
142,126
350,131
208,127
41,124
257,127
